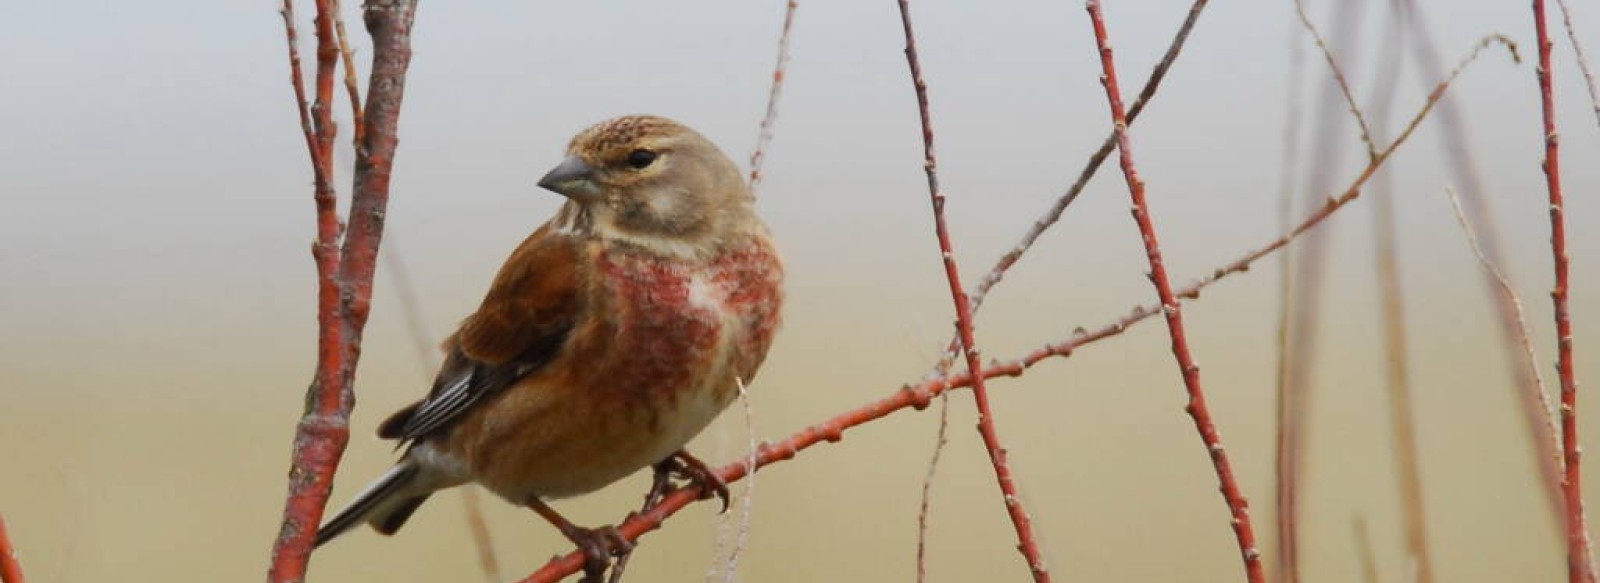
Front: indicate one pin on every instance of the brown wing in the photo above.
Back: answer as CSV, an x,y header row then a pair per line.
x,y
522,323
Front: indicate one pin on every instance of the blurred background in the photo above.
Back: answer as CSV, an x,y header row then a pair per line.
x,y
157,330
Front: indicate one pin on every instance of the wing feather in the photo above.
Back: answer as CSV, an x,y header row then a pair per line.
x,y
521,325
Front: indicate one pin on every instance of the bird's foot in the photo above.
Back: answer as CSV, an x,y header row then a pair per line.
x,y
599,545
689,468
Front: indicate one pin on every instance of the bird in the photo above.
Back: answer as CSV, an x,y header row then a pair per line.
x,y
611,336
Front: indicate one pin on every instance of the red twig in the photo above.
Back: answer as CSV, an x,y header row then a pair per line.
x,y
1339,77
1580,564
1026,543
1010,258
779,72
1237,506
1582,58
351,88
389,22
344,276
1053,214
323,430
10,569
1460,158
920,394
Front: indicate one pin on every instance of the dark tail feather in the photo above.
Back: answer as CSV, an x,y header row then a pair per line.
x,y
382,503
397,516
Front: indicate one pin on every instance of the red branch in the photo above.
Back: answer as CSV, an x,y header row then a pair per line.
x,y
1026,543
1462,162
1011,257
1580,565
780,71
1237,505
351,87
323,430
389,22
344,276
10,569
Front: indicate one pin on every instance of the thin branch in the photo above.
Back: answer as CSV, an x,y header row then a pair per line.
x,y
1402,421
1455,142
1583,58
1010,258
1525,338
1243,529
730,565
10,569
1026,542
389,22
924,508
1580,559
351,88
323,430
779,72
321,176
1338,77
1053,214
1307,286
920,394
345,278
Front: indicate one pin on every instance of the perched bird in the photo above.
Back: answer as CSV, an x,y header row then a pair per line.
x,y
612,336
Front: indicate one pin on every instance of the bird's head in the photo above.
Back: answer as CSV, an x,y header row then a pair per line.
x,y
645,178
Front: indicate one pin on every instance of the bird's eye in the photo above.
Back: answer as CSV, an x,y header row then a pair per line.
x,y
639,159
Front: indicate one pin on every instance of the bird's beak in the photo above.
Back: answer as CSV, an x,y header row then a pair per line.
x,y
573,178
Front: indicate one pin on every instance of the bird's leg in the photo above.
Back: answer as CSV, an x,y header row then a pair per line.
x,y
697,473
660,484
598,544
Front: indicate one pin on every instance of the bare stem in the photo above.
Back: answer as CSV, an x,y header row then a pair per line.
x,y
344,276
1238,507
779,71
351,88
1582,57
1580,560
1023,524
925,507
1525,338
1338,77
1456,144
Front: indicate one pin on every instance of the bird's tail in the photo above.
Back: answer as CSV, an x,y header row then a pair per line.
x,y
386,504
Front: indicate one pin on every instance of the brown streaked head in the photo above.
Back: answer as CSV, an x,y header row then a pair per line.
x,y
648,177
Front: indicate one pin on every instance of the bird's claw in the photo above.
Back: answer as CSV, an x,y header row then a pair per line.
x,y
697,474
599,545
